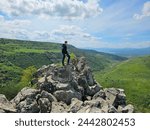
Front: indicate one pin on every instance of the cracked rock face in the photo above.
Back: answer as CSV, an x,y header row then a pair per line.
x,y
66,89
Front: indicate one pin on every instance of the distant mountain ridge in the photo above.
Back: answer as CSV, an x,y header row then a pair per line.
x,y
127,52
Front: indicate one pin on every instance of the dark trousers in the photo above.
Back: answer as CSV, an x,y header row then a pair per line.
x,y
64,56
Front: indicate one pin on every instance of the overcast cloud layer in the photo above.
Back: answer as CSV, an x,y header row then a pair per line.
x,y
84,23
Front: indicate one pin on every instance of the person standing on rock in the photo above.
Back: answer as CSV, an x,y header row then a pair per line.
x,y
65,53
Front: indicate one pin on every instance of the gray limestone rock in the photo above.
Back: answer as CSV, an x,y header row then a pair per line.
x,y
25,93
81,64
128,109
49,96
5,105
100,94
59,107
28,106
66,96
92,90
45,105
75,105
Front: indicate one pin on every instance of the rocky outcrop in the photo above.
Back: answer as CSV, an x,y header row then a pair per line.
x,y
70,89
5,105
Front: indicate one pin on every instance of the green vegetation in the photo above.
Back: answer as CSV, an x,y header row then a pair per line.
x,y
13,79
26,77
9,77
27,53
133,76
17,59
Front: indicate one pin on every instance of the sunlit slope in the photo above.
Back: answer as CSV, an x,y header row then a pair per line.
x,y
133,76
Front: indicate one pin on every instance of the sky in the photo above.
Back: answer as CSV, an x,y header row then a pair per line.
x,y
83,23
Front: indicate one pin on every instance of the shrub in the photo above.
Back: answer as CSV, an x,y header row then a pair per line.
x,y
26,77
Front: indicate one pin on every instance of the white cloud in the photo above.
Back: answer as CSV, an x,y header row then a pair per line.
x,y
20,29
73,34
19,34
68,9
145,11
13,28
72,30
13,23
112,27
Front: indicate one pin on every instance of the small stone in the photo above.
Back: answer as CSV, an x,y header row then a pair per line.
x,y
49,96
100,94
112,109
45,105
128,109
75,105
59,107
92,90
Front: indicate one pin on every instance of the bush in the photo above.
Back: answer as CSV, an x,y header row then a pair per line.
x,y
26,77
73,58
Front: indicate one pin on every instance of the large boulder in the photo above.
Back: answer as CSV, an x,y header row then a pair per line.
x,y
82,81
66,96
89,76
33,101
5,105
103,104
28,106
81,64
128,109
43,71
45,105
62,74
115,96
43,84
25,93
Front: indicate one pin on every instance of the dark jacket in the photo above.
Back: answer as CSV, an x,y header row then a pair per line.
x,y
64,48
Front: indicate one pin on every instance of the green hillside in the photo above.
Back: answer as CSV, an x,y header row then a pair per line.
x,y
133,76
17,56
27,53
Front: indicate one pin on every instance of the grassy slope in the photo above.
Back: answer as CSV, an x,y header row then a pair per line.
x,y
10,75
17,55
28,53
134,76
